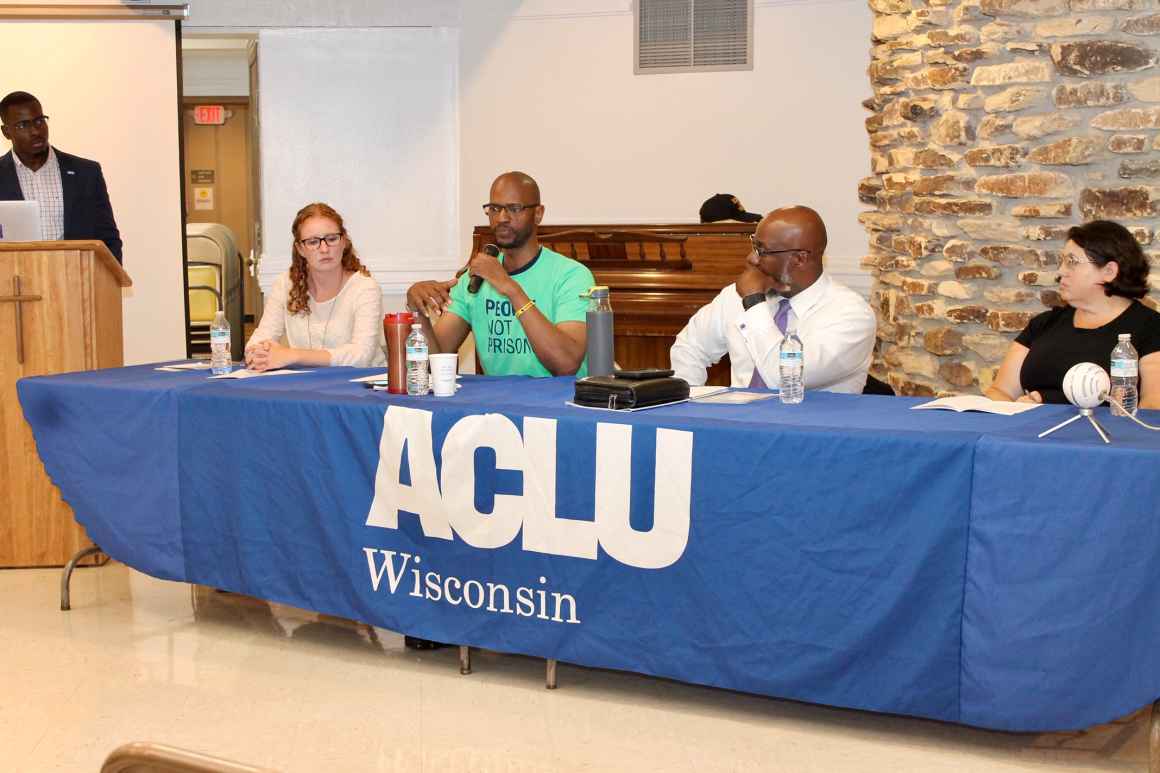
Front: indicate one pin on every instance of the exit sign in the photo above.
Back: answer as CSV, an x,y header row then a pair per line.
x,y
209,115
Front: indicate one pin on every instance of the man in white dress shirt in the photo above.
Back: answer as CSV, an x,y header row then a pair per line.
x,y
783,287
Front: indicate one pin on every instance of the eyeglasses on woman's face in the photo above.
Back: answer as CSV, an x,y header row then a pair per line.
x,y
1072,261
315,242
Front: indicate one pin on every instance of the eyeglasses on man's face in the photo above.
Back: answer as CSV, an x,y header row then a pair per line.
x,y
314,242
491,209
763,252
38,122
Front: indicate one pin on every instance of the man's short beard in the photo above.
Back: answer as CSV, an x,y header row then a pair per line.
x,y
518,240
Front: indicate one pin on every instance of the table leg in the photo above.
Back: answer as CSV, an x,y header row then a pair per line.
x,y
1154,739
464,659
66,574
550,677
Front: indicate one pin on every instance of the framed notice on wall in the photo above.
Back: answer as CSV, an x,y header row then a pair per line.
x,y
401,136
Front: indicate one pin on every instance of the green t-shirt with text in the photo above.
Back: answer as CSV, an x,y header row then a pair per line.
x,y
554,282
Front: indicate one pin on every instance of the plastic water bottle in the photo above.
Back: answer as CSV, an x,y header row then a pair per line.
x,y
219,345
1125,376
791,366
417,373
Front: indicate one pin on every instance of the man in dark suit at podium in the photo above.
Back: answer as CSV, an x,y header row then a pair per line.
x,y
74,202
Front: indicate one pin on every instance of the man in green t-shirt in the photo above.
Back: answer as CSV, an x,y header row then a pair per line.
x,y
528,315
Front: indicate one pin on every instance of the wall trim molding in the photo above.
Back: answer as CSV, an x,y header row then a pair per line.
x,y
629,10
569,15
391,280
250,31
396,281
778,3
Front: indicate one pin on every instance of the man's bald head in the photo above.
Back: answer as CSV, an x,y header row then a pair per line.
x,y
515,230
789,246
528,189
797,227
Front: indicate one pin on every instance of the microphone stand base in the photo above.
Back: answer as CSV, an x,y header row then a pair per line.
x,y
1084,413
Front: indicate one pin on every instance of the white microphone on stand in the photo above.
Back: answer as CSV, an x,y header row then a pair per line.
x,y
1085,385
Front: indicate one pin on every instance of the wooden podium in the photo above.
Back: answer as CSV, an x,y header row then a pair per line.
x,y
60,311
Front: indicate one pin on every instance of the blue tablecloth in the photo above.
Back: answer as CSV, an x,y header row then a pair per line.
x,y
846,551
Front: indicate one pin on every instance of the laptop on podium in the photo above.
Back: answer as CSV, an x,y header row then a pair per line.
x,y
19,221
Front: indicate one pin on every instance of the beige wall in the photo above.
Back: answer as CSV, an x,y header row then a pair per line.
x,y
232,16
547,86
110,89
217,67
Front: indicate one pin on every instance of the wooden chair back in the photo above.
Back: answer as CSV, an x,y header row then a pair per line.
x,y
141,757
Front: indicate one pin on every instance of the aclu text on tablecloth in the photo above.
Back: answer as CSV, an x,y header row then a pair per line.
x,y
444,503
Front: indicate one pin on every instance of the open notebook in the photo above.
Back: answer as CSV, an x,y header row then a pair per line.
x,y
976,403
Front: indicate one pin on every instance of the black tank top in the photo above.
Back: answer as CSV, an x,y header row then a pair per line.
x,y
1056,344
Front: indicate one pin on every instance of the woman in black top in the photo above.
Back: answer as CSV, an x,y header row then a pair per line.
x,y
1102,273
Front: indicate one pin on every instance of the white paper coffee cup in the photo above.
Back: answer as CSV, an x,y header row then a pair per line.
x,y
443,369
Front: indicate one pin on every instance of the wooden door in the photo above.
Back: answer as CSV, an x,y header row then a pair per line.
x,y
218,161
36,526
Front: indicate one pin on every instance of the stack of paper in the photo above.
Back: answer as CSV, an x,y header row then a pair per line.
x,y
374,378
726,396
184,366
243,373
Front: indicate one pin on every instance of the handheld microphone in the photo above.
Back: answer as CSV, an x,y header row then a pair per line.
x,y
477,281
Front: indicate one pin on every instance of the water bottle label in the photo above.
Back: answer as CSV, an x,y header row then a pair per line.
x,y
1125,368
790,358
219,336
416,355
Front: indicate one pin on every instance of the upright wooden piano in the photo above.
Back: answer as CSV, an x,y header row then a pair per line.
x,y
659,275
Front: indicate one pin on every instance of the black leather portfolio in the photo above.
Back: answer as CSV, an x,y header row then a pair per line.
x,y
624,393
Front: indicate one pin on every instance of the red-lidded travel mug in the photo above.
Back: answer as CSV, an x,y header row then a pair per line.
x,y
396,327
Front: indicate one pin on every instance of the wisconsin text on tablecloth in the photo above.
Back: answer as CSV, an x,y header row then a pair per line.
x,y
432,586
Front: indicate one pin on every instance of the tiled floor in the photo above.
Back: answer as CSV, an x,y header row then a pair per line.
x,y
142,659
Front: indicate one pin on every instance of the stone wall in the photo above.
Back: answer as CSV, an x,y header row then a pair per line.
x,y
996,125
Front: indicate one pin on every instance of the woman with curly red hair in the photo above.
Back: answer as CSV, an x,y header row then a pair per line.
x,y
326,305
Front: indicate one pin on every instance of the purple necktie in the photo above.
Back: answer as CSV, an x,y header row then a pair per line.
x,y
781,319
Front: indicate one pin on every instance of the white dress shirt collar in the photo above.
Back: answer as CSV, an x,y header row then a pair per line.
x,y
807,299
50,161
